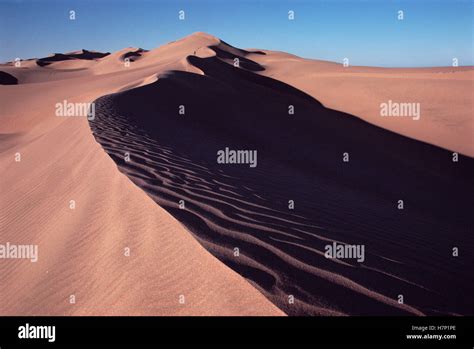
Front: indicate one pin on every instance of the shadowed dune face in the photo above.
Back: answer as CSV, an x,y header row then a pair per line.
x,y
7,79
134,55
228,52
173,157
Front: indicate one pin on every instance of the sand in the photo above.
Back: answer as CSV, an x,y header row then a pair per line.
x,y
444,93
280,256
82,250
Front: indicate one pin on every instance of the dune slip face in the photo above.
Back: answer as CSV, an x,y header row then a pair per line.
x,y
324,184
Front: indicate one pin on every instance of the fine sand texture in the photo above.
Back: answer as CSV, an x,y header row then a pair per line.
x,y
116,252
206,238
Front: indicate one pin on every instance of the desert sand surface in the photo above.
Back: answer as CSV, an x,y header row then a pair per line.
x,y
445,95
173,158
82,250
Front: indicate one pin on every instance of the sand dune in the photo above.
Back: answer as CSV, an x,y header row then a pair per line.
x,y
83,54
173,158
133,55
81,250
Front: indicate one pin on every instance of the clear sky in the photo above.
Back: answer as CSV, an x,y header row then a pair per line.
x,y
432,33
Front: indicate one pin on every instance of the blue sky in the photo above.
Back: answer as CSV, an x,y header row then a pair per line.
x,y
367,32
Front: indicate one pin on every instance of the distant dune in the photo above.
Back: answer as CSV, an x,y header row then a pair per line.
x,y
444,95
270,258
133,55
58,57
